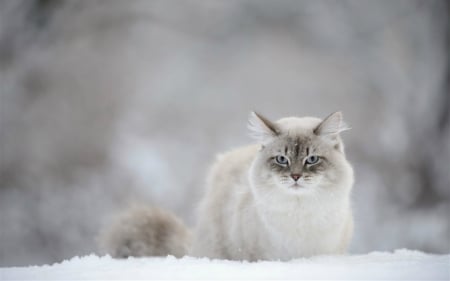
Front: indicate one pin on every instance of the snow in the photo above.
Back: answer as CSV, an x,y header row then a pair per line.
x,y
400,265
106,105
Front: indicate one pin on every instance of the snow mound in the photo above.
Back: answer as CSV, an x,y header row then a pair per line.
x,y
402,264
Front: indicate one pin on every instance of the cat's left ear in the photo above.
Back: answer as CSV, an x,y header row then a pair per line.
x,y
261,128
331,126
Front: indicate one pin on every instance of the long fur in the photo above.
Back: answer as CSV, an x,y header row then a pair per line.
x,y
254,210
144,231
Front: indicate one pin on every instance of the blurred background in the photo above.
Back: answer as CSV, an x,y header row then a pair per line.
x,y
108,103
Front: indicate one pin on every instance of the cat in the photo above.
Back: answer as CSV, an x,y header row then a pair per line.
x,y
287,196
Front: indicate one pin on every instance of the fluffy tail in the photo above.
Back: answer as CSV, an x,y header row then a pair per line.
x,y
144,231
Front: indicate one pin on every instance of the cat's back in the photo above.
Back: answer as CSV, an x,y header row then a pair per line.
x,y
227,189
232,166
227,178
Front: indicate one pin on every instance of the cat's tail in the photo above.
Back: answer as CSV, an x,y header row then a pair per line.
x,y
144,231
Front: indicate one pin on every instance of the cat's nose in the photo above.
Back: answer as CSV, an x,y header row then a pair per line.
x,y
296,176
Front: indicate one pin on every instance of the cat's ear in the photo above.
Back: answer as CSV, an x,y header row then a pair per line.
x,y
331,126
261,128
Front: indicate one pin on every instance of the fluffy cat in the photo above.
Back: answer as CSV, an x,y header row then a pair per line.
x,y
288,196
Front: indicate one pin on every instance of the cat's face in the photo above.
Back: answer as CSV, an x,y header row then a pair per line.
x,y
300,155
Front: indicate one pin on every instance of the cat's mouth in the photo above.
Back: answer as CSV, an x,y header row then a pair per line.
x,y
296,185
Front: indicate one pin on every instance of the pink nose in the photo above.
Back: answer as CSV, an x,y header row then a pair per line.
x,y
295,176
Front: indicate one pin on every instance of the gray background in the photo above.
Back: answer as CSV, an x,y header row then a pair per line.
x,y
106,103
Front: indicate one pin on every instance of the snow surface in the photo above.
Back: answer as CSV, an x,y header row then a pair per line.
x,y
402,264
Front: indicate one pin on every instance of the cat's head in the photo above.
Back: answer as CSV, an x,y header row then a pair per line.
x,y
300,155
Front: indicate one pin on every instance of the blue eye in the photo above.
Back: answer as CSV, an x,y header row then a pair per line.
x,y
312,159
282,160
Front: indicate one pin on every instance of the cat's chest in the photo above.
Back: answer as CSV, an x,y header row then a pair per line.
x,y
305,229
303,221
301,235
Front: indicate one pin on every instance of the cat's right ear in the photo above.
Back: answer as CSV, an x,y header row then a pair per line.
x,y
261,128
332,125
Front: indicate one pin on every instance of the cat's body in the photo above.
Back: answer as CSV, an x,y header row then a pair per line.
x,y
286,197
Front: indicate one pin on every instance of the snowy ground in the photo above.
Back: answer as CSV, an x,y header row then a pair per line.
x,y
402,264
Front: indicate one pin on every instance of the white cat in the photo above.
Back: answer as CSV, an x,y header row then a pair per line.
x,y
288,196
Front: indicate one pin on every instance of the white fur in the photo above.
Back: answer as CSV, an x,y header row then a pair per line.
x,y
258,129
246,215
333,124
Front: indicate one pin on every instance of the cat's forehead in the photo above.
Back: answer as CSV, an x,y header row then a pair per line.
x,y
293,141
296,131
296,134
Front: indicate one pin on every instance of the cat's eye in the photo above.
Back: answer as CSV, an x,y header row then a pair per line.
x,y
312,159
282,160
